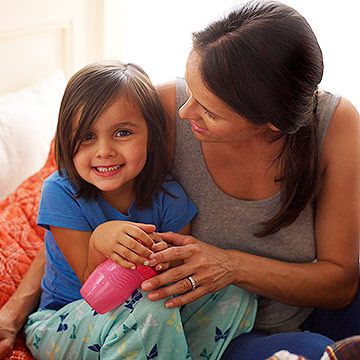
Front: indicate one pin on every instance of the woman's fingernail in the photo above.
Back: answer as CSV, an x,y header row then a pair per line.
x,y
152,256
169,305
145,286
153,296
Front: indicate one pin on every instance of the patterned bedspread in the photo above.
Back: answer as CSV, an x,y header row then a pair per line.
x,y
21,238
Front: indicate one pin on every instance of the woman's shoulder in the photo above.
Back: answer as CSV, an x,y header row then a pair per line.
x,y
343,134
167,95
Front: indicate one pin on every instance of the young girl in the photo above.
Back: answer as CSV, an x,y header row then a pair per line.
x,y
113,165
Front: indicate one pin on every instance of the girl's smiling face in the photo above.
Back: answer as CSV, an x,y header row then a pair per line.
x,y
114,151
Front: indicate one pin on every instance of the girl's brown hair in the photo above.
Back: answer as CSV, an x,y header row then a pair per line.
x,y
264,60
88,93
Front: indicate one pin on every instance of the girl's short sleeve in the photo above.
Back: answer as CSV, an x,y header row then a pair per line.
x,y
59,207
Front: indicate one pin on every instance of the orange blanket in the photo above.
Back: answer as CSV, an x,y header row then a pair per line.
x,y
21,238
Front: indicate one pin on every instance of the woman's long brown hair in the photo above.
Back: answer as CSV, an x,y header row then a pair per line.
x,y
264,61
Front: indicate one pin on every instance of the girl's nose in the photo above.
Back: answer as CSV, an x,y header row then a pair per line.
x,y
105,150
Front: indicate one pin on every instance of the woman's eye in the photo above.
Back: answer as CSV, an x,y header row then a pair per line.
x,y
209,114
123,133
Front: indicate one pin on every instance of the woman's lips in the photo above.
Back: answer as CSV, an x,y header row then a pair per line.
x,y
197,128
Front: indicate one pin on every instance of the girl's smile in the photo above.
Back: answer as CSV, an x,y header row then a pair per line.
x,y
107,171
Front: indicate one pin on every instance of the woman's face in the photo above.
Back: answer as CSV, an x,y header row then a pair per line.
x,y
211,119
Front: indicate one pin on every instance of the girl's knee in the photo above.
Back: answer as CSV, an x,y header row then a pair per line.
x,y
142,309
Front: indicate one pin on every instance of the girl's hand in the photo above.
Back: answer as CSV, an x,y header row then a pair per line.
x,y
159,245
210,267
127,243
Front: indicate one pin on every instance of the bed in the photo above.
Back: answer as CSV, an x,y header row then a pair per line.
x,y
41,45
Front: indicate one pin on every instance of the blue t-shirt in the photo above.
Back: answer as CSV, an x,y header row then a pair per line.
x,y
59,207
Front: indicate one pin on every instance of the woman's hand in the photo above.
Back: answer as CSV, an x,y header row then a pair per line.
x,y
126,243
210,267
8,332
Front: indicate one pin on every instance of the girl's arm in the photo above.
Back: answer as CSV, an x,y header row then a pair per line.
x,y
23,301
331,282
127,245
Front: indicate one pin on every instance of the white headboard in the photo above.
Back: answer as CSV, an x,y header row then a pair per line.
x,y
38,37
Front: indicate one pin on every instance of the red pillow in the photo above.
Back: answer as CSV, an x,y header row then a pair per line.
x,y
20,237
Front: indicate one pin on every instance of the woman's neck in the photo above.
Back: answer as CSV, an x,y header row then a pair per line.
x,y
260,149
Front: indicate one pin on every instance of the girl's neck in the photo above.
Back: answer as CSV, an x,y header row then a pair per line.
x,y
120,200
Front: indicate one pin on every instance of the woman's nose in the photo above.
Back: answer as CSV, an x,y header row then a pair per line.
x,y
188,110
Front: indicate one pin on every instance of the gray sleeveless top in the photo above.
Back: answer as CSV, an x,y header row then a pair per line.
x,y
229,222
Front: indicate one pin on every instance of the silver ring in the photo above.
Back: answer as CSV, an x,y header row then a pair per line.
x,y
192,282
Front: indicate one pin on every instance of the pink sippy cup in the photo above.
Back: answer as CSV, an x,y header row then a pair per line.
x,y
109,285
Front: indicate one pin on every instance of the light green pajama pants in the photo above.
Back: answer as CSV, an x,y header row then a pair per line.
x,y
142,329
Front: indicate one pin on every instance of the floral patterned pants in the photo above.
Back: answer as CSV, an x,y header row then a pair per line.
x,y
142,329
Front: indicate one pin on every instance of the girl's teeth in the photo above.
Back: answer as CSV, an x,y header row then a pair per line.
x,y
106,169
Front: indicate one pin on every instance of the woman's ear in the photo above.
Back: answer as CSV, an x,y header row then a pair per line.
x,y
273,127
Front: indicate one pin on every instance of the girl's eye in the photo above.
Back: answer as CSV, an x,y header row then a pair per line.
x,y
88,137
123,133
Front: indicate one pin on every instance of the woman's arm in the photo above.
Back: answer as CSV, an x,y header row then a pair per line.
x,y
331,282
23,301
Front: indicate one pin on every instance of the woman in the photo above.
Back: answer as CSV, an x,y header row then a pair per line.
x,y
273,166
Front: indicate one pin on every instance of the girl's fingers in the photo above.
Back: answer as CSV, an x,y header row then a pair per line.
x,y
138,234
148,228
159,246
121,261
162,245
156,237
134,252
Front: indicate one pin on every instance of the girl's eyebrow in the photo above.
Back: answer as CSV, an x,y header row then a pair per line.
x,y
124,123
